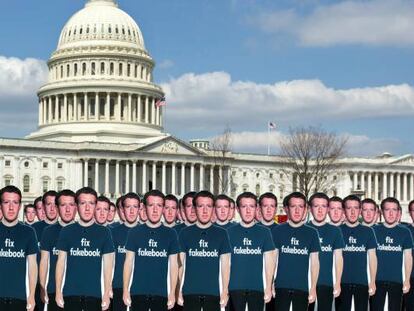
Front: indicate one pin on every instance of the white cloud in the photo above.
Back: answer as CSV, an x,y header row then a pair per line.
x,y
165,64
21,77
357,145
212,100
374,22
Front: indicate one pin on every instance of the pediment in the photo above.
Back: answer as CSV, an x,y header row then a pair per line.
x,y
171,145
404,160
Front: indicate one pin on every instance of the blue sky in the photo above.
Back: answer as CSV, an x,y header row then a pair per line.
x,y
346,66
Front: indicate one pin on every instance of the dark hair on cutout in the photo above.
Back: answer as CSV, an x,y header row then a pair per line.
x,y
295,195
369,201
103,198
64,193
222,197
153,193
27,206
11,189
390,200
112,205
285,202
37,200
130,195
267,195
191,195
86,190
203,194
335,199
232,201
246,195
171,197
318,195
119,200
351,197
50,193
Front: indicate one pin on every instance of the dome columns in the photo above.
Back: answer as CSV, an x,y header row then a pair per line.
x,y
99,107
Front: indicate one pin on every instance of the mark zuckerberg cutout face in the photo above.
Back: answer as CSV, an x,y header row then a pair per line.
x,y
101,212
296,210
247,210
86,206
204,209
222,209
336,212
268,209
319,209
131,209
391,213
50,207
154,207
352,211
170,211
10,206
369,213
67,208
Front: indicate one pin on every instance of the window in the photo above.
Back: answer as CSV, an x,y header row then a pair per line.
x,y
26,183
67,70
45,185
102,68
109,29
7,163
271,188
60,165
80,31
120,69
93,69
271,175
116,30
61,71
84,69
257,175
245,188
59,184
111,69
7,181
257,189
26,164
45,165
87,29
129,70
244,174
136,71
75,70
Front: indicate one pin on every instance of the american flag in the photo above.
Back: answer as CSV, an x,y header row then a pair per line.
x,y
272,125
160,102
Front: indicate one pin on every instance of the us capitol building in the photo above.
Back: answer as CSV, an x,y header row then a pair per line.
x,y
99,126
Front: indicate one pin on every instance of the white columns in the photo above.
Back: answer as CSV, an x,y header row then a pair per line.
x,y
369,182
201,177
228,184
154,175
144,177
355,183
65,108
85,173
107,177
411,187
173,186
398,194
119,108
392,184
164,177
182,178
220,179
75,107
117,178
405,185
40,111
139,108
56,119
192,177
129,107
86,107
97,175
49,110
97,107
211,178
44,113
153,111
363,181
108,106
127,177
134,176
376,187
384,185
147,107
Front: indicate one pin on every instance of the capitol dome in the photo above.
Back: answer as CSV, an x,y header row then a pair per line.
x,y
100,86
101,22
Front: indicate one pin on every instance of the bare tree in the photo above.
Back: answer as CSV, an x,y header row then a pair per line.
x,y
312,154
221,147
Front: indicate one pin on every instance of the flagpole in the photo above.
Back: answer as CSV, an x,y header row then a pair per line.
x,y
268,139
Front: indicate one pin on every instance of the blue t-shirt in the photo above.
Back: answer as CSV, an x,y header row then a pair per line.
x,y
390,250
411,229
179,227
114,224
226,226
152,247
85,247
119,236
39,227
273,225
203,248
17,243
49,243
248,246
295,244
330,238
358,240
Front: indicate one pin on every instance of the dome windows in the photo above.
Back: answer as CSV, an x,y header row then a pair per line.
x,y
83,69
75,70
102,68
120,69
93,68
111,69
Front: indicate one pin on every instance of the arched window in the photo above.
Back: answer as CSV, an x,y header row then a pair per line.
x,y
136,71
120,69
257,189
67,70
142,72
8,180
84,69
111,69
60,183
45,184
93,69
61,71
245,187
75,70
80,31
129,70
26,183
102,68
